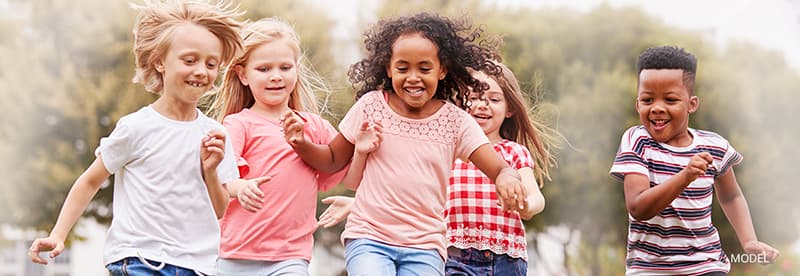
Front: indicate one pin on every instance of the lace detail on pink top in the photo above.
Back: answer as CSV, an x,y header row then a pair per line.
x,y
442,127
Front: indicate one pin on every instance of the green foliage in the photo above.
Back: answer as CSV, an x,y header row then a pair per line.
x,y
66,70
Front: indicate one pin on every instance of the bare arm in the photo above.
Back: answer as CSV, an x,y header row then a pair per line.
x,y
84,189
644,202
212,151
368,140
734,205
535,203
508,183
328,158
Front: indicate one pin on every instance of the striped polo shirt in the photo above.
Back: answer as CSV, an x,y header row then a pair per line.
x,y
681,239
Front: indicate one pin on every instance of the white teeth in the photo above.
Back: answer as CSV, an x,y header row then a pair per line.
x,y
196,84
417,90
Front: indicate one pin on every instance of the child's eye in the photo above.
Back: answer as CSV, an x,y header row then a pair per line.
x,y
495,100
211,65
401,69
286,67
426,69
645,100
189,61
261,69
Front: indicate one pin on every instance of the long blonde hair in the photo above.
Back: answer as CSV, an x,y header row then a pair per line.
x,y
155,26
234,96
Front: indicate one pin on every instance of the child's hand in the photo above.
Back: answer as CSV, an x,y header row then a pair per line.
x,y
45,244
212,150
510,191
697,166
369,137
292,125
250,195
762,249
337,211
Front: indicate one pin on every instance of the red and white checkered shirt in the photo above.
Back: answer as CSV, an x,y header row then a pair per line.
x,y
473,218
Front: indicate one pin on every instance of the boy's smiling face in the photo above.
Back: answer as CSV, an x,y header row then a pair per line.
x,y
664,104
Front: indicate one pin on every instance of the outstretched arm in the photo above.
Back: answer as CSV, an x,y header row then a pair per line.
x,y
328,158
508,183
535,201
84,189
734,205
644,203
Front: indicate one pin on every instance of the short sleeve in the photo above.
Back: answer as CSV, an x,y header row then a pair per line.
x,y
349,124
731,158
237,135
520,157
471,137
115,150
629,155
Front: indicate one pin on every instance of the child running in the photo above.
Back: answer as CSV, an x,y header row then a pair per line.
x,y
268,229
483,239
170,162
669,172
418,64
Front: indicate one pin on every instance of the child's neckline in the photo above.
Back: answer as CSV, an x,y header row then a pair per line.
x,y
692,145
167,118
384,98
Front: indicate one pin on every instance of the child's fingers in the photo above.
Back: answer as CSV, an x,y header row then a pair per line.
x,y
327,200
33,252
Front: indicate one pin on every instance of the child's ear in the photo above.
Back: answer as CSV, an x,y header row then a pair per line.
x,y
509,114
389,71
694,103
159,65
240,73
442,73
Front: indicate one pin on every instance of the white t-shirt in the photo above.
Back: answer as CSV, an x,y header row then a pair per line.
x,y
162,210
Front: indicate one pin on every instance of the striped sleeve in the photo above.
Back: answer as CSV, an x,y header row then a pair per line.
x,y
629,155
731,158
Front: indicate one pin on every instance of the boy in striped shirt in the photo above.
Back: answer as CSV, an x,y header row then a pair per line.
x,y
669,172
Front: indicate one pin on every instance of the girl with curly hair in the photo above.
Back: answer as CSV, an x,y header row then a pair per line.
x,y
413,85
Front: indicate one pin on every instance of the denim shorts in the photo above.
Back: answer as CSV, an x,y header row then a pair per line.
x,y
369,257
133,266
470,261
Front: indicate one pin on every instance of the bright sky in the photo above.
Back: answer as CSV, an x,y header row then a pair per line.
x,y
772,24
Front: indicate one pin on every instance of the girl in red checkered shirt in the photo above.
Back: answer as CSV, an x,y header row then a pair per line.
x,y
484,239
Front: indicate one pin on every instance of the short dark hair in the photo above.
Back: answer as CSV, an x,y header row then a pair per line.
x,y
669,57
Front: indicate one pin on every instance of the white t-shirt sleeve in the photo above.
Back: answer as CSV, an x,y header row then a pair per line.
x,y
117,149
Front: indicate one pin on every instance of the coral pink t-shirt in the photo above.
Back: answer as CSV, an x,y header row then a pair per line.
x,y
401,197
283,228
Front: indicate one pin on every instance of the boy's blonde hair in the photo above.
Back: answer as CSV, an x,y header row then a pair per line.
x,y
234,96
155,27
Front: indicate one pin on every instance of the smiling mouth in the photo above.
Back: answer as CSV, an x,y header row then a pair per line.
x,y
196,84
659,123
414,91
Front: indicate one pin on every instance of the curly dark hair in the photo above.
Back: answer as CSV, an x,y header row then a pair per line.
x,y
458,50
670,57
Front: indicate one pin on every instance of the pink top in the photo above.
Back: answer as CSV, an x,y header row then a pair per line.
x,y
402,194
473,218
283,228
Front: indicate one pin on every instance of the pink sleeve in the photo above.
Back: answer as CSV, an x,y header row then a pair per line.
x,y
237,134
472,137
349,124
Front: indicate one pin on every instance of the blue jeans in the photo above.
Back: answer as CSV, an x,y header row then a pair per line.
x,y
133,266
474,262
368,257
